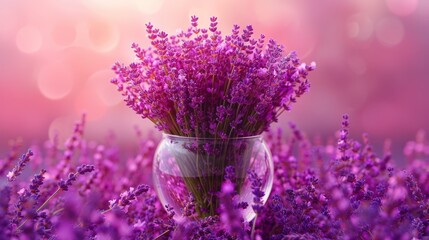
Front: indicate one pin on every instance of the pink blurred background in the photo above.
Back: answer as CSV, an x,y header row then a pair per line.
x,y
372,59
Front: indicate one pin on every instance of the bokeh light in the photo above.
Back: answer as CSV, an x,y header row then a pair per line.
x,y
55,81
360,27
402,7
87,101
59,129
29,39
390,31
104,37
103,89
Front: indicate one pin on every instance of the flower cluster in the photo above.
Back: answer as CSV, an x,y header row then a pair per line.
x,y
341,190
200,83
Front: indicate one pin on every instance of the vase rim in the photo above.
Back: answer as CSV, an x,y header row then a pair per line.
x,y
179,137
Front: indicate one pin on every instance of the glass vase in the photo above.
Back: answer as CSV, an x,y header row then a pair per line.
x,y
187,168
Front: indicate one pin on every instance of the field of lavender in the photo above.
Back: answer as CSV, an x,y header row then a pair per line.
x,y
322,190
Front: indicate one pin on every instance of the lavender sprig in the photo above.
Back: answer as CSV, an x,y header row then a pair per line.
x,y
62,185
127,197
257,206
36,182
256,185
17,170
24,195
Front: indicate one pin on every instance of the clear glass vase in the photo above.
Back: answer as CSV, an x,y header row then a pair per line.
x,y
186,167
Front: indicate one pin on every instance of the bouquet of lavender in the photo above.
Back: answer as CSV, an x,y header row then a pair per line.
x,y
214,90
200,84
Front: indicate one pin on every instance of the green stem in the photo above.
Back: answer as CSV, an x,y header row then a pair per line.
x,y
107,210
47,200
57,211
162,234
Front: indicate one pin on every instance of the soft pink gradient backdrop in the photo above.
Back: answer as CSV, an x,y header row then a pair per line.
x,y
372,58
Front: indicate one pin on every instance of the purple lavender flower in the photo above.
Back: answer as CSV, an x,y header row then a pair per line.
x,y
256,184
44,225
17,170
24,197
230,174
128,196
64,184
36,182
